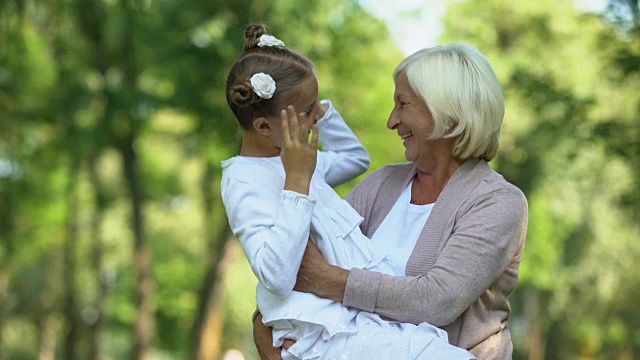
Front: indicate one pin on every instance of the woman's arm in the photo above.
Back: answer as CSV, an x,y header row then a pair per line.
x,y
484,242
263,339
318,277
343,157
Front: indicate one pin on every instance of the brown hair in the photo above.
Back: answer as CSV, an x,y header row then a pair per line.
x,y
286,67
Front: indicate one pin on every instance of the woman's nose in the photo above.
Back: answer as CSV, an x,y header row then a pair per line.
x,y
393,121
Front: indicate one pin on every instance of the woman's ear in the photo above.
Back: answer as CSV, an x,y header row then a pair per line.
x,y
452,127
262,126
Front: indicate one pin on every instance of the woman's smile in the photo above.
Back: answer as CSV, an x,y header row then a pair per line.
x,y
406,135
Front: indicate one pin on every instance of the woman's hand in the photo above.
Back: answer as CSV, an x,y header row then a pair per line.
x,y
318,277
299,154
263,339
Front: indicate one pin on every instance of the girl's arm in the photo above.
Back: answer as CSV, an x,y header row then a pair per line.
x,y
343,157
273,224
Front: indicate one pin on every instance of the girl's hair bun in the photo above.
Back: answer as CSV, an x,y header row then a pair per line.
x,y
283,65
252,35
241,93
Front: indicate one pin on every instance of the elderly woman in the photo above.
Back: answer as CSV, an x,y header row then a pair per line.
x,y
453,225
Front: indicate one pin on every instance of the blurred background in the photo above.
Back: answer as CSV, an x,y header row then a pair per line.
x,y
113,122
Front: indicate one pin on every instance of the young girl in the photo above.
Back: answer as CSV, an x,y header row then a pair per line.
x,y
278,193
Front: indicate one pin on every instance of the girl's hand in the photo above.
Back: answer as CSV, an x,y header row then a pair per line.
x,y
299,154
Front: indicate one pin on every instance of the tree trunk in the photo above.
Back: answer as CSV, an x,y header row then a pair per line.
x,y
209,324
49,303
9,128
64,116
91,17
6,223
5,274
535,341
47,339
207,328
144,327
97,263
70,306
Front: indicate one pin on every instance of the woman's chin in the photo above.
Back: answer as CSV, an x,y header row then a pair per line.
x,y
409,157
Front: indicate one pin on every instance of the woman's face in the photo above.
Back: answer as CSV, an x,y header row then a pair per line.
x,y
411,119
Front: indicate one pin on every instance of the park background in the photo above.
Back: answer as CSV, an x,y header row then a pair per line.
x,y
113,122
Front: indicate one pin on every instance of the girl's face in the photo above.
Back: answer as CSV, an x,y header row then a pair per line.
x,y
305,100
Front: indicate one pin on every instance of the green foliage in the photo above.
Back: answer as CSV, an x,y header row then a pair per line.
x,y
77,80
71,93
567,88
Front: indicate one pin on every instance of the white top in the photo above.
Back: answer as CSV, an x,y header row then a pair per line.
x,y
398,233
274,225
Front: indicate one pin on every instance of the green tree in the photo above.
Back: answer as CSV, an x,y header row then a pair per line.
x,y
562,92
116,124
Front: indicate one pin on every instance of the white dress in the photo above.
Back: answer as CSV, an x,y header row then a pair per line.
x,y
274,225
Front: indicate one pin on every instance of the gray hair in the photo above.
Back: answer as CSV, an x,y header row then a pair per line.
x,y
463,94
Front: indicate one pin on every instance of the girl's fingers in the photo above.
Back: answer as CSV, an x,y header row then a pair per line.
x,y
295,132
314,137
286,133
304,129
294,128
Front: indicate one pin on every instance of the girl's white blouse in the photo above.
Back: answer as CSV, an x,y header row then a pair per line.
x,y
274,225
